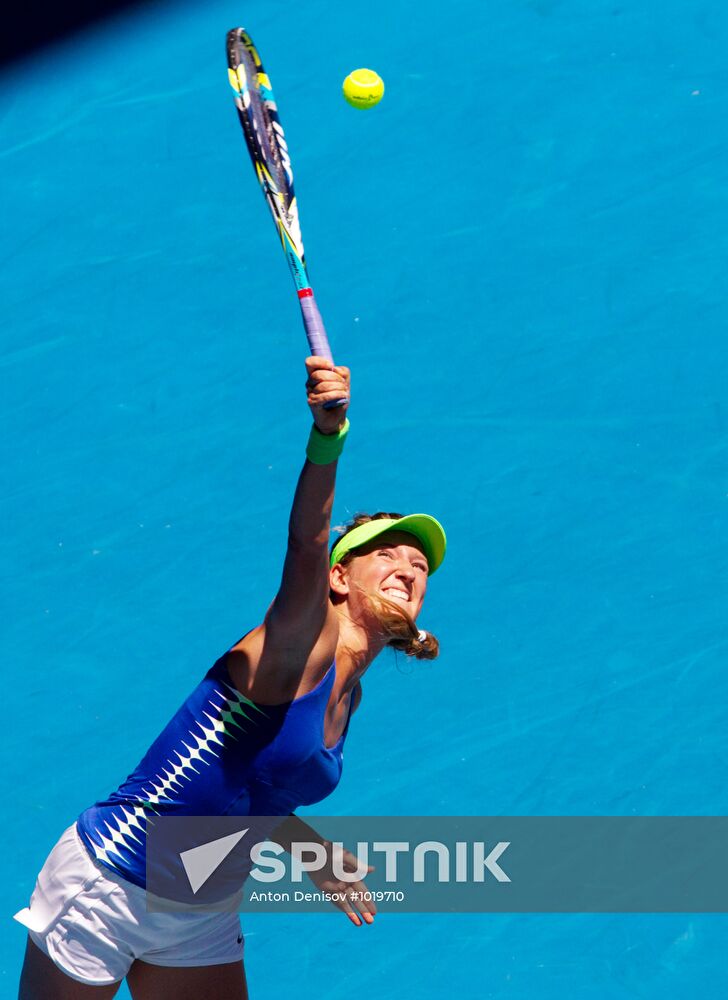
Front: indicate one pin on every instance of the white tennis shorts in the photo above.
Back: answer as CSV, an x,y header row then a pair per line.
x,y
93,924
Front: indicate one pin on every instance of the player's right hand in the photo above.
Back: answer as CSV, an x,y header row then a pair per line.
x,y
327,382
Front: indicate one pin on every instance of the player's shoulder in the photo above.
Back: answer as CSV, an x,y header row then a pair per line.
x,y
356,697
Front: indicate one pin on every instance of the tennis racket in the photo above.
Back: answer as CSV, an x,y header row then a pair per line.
x,y
266,144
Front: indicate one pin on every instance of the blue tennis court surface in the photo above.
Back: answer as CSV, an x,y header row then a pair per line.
x,y
521,255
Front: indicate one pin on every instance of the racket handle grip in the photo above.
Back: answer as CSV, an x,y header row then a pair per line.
x,y
318,342
315,330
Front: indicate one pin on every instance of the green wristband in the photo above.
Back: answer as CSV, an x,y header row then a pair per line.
x,y
322,449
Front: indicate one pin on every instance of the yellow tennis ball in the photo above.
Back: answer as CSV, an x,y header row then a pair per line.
x,y
363,88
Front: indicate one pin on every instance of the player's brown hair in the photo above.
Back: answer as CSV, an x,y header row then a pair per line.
x,y
397,624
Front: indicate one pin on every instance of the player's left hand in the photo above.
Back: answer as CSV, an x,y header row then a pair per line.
x,y
348,896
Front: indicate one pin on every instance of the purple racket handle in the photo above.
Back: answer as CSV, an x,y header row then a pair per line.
x,y
318,342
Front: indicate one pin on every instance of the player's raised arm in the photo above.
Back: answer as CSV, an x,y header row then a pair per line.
x,y
301,605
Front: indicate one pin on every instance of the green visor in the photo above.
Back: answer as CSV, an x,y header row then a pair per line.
x,y
429,533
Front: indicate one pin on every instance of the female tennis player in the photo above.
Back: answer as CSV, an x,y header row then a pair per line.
x,y
260,735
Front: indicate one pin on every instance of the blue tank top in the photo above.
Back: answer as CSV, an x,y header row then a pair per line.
x,y
220,755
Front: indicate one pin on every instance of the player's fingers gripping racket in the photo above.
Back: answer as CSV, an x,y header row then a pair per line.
x,y
268,150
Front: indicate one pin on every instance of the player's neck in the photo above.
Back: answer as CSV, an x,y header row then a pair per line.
x,y
356,649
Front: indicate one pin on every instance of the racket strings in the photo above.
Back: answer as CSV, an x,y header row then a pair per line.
x,y
267,146
260,118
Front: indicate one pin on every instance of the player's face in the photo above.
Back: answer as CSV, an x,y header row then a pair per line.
x,y
394,566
